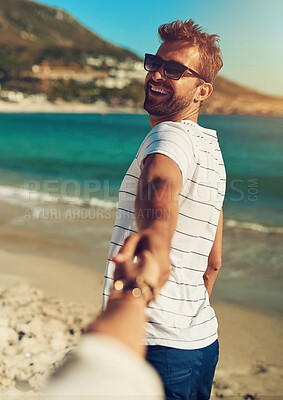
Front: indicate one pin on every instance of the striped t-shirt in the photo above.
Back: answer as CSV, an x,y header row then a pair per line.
x,y
181,317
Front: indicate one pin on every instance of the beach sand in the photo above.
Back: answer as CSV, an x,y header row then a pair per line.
x,y
220,104
44,305
46,302
27,106
51,274
251,350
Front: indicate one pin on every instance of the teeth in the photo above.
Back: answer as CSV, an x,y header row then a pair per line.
x,y
158,90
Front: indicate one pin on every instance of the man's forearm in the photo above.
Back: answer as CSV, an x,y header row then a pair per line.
x,y
156,211
215,257
156,208
156,217
210,276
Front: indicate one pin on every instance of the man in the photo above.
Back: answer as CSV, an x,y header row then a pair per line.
x,y
170,202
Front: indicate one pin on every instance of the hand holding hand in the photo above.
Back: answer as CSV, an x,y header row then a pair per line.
x,y
135,245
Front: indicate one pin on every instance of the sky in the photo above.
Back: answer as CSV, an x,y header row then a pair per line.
x,y
250,30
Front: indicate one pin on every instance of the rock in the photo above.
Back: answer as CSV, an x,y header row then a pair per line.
x,y
36,334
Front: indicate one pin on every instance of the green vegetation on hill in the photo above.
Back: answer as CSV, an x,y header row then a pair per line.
x,y
34,34
31,32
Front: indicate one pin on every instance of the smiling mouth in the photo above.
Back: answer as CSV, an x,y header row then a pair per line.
x,y
156,90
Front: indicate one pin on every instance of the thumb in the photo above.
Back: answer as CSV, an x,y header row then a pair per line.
x,y
128,249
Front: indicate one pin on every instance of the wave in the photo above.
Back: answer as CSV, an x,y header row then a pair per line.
x,y
253,226
26,198
23,197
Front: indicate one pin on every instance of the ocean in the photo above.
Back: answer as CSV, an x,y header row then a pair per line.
x,y
77,161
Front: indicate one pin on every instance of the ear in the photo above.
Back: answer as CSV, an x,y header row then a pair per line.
x,y
203,92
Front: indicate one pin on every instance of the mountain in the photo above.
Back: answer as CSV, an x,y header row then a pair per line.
x,y
52,40
231,98
31,32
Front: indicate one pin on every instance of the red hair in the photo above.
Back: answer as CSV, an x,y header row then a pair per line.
x,y
210,60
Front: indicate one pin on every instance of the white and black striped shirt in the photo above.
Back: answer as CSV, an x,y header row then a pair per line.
x,y
181,316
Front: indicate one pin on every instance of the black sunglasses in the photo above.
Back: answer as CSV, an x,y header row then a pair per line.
x,y
172,69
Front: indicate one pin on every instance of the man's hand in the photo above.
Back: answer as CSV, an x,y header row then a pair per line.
x,y
124,317
135,245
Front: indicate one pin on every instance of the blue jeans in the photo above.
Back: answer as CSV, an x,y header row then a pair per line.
x,y
186,374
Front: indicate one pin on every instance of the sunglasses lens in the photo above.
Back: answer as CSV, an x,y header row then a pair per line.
x,y
152,63
174,70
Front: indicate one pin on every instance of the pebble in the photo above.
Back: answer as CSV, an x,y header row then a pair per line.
x,y
36,333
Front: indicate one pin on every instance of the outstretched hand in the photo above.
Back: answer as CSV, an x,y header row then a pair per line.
x,y
136,245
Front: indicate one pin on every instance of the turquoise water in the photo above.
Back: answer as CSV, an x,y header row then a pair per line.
x,y
79,147
64,161
85,156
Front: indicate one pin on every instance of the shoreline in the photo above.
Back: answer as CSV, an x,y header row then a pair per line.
x,y
65,108
85,242
251,341
26,107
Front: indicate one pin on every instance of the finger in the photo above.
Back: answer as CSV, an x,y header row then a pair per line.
x,y
119,272
149,268
128,249
126,270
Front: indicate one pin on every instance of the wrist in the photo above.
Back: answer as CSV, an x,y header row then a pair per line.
x,y
159,237
131,290
159,226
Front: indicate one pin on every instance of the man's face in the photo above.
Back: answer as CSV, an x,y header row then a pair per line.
x,y
177,95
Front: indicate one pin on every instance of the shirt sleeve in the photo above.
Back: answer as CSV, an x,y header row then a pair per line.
x,y
170,139
102,367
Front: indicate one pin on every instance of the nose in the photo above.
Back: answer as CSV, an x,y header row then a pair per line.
x,y
159,75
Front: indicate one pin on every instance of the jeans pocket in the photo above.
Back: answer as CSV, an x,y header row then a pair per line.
x,y
177,376
157,358
177,385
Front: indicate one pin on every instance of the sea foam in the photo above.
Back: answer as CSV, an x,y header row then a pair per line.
x,y
23,197
232,223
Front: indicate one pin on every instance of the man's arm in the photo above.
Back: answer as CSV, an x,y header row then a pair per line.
x,y
215,257
156,202
156,208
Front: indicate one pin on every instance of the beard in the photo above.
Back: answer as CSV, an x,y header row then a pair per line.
x,y
162,107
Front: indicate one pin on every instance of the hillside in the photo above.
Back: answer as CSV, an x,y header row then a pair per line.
x,y
47,55
231,98
31,32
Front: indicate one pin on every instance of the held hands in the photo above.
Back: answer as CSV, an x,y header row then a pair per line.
x,y
153,262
